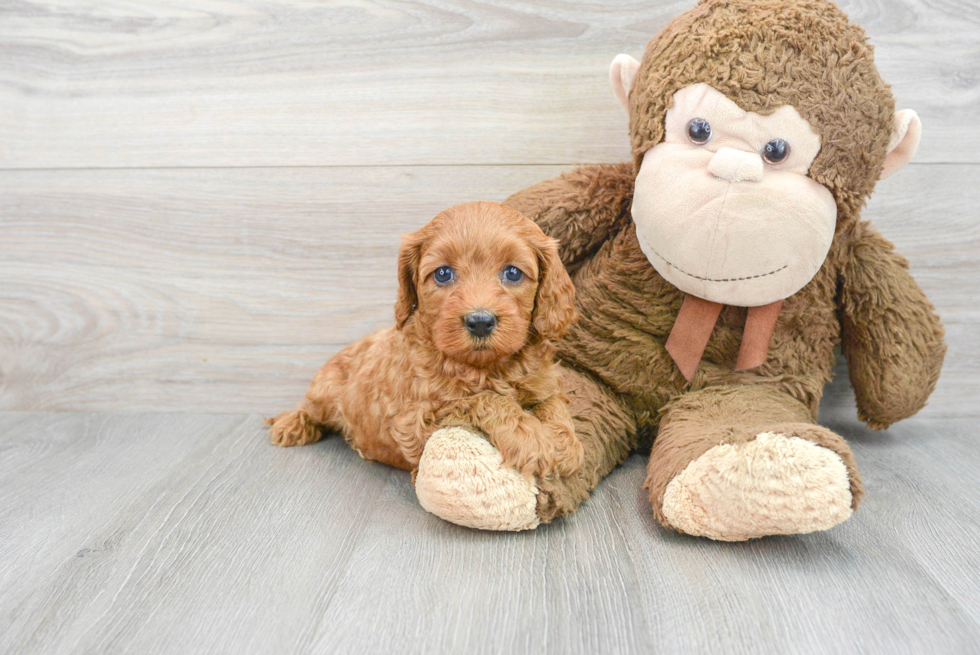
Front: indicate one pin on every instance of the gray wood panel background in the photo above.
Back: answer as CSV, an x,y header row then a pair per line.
x,y
225,289
355,82
201,201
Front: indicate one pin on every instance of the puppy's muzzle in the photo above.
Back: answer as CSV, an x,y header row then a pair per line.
x,y
480,324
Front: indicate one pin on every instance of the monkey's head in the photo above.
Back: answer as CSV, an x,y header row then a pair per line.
x,y
759,129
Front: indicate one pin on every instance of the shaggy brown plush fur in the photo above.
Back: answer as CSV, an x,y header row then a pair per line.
x,y
622,383
388,392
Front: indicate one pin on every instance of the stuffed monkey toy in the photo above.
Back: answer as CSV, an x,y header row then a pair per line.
x,y
716,274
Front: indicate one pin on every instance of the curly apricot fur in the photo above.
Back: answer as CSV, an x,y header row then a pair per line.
x,y
387,393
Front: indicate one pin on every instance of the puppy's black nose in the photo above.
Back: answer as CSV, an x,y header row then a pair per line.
x,y
480,324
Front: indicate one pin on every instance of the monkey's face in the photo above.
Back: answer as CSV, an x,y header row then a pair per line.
x,y
723,207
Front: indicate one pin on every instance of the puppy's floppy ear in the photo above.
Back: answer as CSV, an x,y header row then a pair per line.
x,y
554,304
408,265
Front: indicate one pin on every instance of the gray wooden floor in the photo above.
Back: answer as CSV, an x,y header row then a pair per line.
x,y
200,202
181,533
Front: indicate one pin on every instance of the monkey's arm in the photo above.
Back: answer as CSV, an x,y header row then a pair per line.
x,y
891,335
582,208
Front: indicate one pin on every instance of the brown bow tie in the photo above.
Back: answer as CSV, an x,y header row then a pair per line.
x,y
692,329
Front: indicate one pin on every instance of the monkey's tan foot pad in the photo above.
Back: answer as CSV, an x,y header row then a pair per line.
x,y
462,479
772,485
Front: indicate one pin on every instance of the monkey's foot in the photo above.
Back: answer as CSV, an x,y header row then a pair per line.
x,y
772,485
462,479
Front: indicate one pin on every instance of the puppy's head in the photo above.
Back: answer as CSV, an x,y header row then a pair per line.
x,y
482,281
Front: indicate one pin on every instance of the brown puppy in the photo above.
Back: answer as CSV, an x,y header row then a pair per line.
x,y
482,292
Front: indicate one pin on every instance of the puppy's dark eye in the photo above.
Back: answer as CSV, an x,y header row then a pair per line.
x,y
443,275
775,151
699,131
512,274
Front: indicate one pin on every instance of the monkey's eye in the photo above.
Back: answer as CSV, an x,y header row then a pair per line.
x,y
699,131
443,275
776,151
512,274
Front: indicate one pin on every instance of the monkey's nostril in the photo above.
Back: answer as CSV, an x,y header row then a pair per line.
x,y
480,324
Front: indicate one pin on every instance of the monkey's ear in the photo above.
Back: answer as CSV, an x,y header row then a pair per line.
x,y
408,265
906,131
622,74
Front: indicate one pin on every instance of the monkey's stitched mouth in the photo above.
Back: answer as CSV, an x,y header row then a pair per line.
x,y
708,279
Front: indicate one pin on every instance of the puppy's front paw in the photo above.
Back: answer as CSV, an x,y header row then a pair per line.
x,y
531,449
294,428
569,453
541,449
